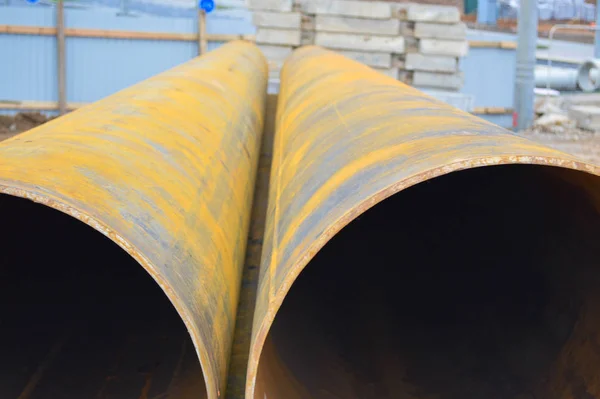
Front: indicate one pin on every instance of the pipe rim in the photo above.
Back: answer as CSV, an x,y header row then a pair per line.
x,y
17,190
584,78
304,259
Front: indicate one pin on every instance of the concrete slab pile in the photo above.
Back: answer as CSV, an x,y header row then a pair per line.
x,y
416,43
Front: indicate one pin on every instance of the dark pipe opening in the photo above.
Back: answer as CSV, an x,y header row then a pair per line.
x,y
478,284
81,319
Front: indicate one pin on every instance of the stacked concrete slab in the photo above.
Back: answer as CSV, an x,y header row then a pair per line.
x,y
416,43
368,32
436,39
278,32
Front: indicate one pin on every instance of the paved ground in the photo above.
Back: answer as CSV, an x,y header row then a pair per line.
x,y
583,144
13,125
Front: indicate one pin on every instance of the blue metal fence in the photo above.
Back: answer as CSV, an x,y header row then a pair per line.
x,y
96,67
490,77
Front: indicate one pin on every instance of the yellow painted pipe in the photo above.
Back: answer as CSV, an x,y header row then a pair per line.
x,y
348,138
166,170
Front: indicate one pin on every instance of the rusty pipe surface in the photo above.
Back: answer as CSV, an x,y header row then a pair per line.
x,y
347,138
166,170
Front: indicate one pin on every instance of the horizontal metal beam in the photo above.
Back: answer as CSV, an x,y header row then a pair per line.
x,y
36,105
491,44
123,34
53,106
492,111
119,34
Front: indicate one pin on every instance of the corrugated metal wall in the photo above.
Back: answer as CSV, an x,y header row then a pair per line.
x,y
490,77
96,67
489,74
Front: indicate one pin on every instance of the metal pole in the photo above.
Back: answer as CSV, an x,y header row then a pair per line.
x,y
525,79
597,35
60,56
202,44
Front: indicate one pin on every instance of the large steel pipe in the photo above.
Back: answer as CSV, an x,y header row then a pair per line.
x,y
161,175
415,251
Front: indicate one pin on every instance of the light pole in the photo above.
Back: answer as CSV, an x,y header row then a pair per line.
x,y
597,35
524,79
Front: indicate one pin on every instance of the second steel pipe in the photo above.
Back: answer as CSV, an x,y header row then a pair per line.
x,y
406,299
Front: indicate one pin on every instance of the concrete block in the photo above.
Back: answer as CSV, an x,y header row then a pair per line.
x,y
405,76
272,19
381,60
349,8
276,53
411,44
453,48
453,81
431,63
407,28
399,10
307,38
550,119
273,86
308,22
432,13
271,5
328,23
398,60
586,116
342,41
570,100
278,36
440,31
274,68
299,4
391,72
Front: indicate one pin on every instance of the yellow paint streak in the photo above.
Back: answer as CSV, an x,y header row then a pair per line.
x,y
166,169
348,137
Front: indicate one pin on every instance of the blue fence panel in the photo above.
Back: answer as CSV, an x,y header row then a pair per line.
x,y
28,68
97,67
500,120
490,76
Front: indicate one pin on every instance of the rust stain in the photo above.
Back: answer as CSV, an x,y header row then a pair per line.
x,y
346,138
166,170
